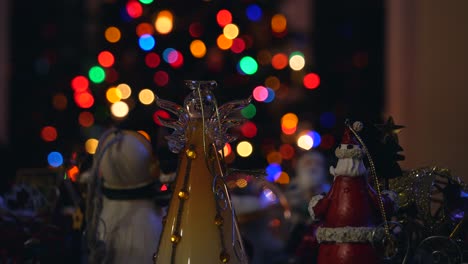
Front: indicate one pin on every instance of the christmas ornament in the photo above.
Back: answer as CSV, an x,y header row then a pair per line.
x,y
351,212
200,226
123,222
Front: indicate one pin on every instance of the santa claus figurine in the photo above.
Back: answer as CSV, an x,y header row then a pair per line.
x,y
349,214
123,221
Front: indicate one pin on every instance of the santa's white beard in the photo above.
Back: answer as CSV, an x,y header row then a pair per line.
x,y
131,230
349,167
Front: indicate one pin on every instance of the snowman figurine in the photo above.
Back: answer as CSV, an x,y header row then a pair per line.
x,y
123,221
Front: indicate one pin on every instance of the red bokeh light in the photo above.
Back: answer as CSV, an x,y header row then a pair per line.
x,y
288,130
49,133
161,78
111,75
327,141
160,114
86,119
287,151
134,9
144,28
279,61
249,129
106,59
311,81
152,60
223,17
196,30
84,100
238,45
179,61
80,84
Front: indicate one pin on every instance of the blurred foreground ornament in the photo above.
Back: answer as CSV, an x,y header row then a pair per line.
x,y
201,225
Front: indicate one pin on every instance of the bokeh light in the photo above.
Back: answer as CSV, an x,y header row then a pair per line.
x,y
249,111
316,138
111,75
327,120
86,119
106,59
134,9
49,133
260,93
305,142
249,129
248,65
80,84
328,141
164,22
254,12
273,82
161,78
119,109
146,2
146,42
169,55
289,123
144,28
223,17
97,74
311,81
91,145
60,101
227,150
279,61
264,57
198,48
271,95
112,34
146,96
55,159
273,170
113,95
145,135
278,23
231,31
195,30
287,151
274,157
223,42
244,149
283,178
125,90
160,114
177,58
84,100
238,45
296,61
152,60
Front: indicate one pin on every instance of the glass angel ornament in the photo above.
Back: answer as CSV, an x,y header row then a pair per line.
x,y
200,226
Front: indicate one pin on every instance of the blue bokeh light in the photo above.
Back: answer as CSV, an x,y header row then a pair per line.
x,y
146,42
327,120
316,138
55,159
254,12
273,171
271,95
167,55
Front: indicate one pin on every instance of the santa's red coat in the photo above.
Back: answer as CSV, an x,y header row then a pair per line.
x,y
351,202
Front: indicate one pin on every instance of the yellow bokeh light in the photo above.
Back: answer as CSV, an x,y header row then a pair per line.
x,y
273,82
125,90
305,142
231,31
244,149
119,109
198,48
278,23
91,145
113,95
289,120
223,42
241,183
112,34
297,62
146,135
164,22
146,96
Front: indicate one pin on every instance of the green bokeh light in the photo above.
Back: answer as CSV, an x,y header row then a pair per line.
x,y
97,74
249,111
296,53
248,65
146,2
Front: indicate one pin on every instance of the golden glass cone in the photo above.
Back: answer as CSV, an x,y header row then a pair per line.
x,y
201,226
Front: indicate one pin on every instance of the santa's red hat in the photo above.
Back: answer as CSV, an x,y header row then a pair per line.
x,y
348,137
